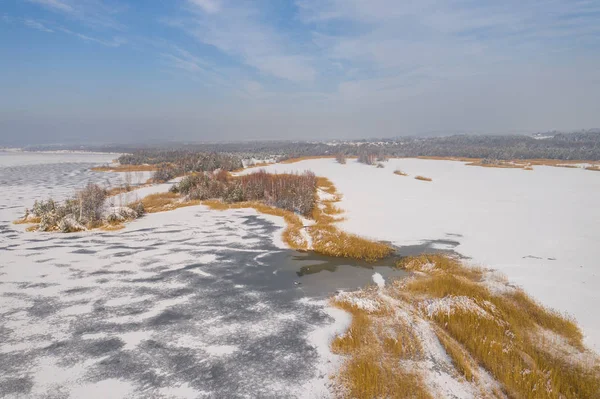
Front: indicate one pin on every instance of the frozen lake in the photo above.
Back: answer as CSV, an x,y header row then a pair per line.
x,y
182,304
541,228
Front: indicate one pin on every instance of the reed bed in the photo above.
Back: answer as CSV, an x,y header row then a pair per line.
x,y
497,332
374,348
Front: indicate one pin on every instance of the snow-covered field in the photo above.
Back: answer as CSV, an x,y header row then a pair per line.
x,y
540,228
183,304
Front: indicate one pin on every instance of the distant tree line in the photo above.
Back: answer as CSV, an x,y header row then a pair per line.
x,y
177,163
584,145
292,192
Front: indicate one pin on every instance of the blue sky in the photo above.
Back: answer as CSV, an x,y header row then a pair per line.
x,y
107,70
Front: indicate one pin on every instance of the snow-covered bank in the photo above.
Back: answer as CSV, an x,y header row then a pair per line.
x,y
538,227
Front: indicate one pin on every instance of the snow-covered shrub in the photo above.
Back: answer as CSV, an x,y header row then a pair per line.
x,y
43,207
234,193
69,224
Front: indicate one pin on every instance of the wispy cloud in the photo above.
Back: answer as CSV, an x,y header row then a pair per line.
x,y
59,5
33,24
114,42
210,6
98,13
386,39
240,30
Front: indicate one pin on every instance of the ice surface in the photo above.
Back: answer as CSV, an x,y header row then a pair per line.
x,y
177,304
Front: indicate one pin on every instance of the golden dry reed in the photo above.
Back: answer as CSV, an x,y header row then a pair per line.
x,y
505,337
423,178
502,333
161,202
374,346
400,173
327,239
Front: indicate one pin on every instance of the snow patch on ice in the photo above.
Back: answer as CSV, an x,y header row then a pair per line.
x,y
379,280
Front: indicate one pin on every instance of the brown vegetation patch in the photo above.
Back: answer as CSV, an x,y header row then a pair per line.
x,y
329,240
498,164
423,178
119,190
33,227
594,168
125,168
460,159
477,328
514,163
400,173
306,158
567,166
497,337
29,220
112,227
373,348
161,202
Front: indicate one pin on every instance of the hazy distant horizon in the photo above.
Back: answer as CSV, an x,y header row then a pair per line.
x,y
116,71
164,142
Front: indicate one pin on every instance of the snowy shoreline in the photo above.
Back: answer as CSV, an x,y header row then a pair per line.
x,y
536,227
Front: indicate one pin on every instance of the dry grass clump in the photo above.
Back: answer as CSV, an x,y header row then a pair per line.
x,y
326,185
119,190
566,166
498,333
112,227
594,168
28,220
161,202
423,178
33,227
400,173
125,168
497,164
328,240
